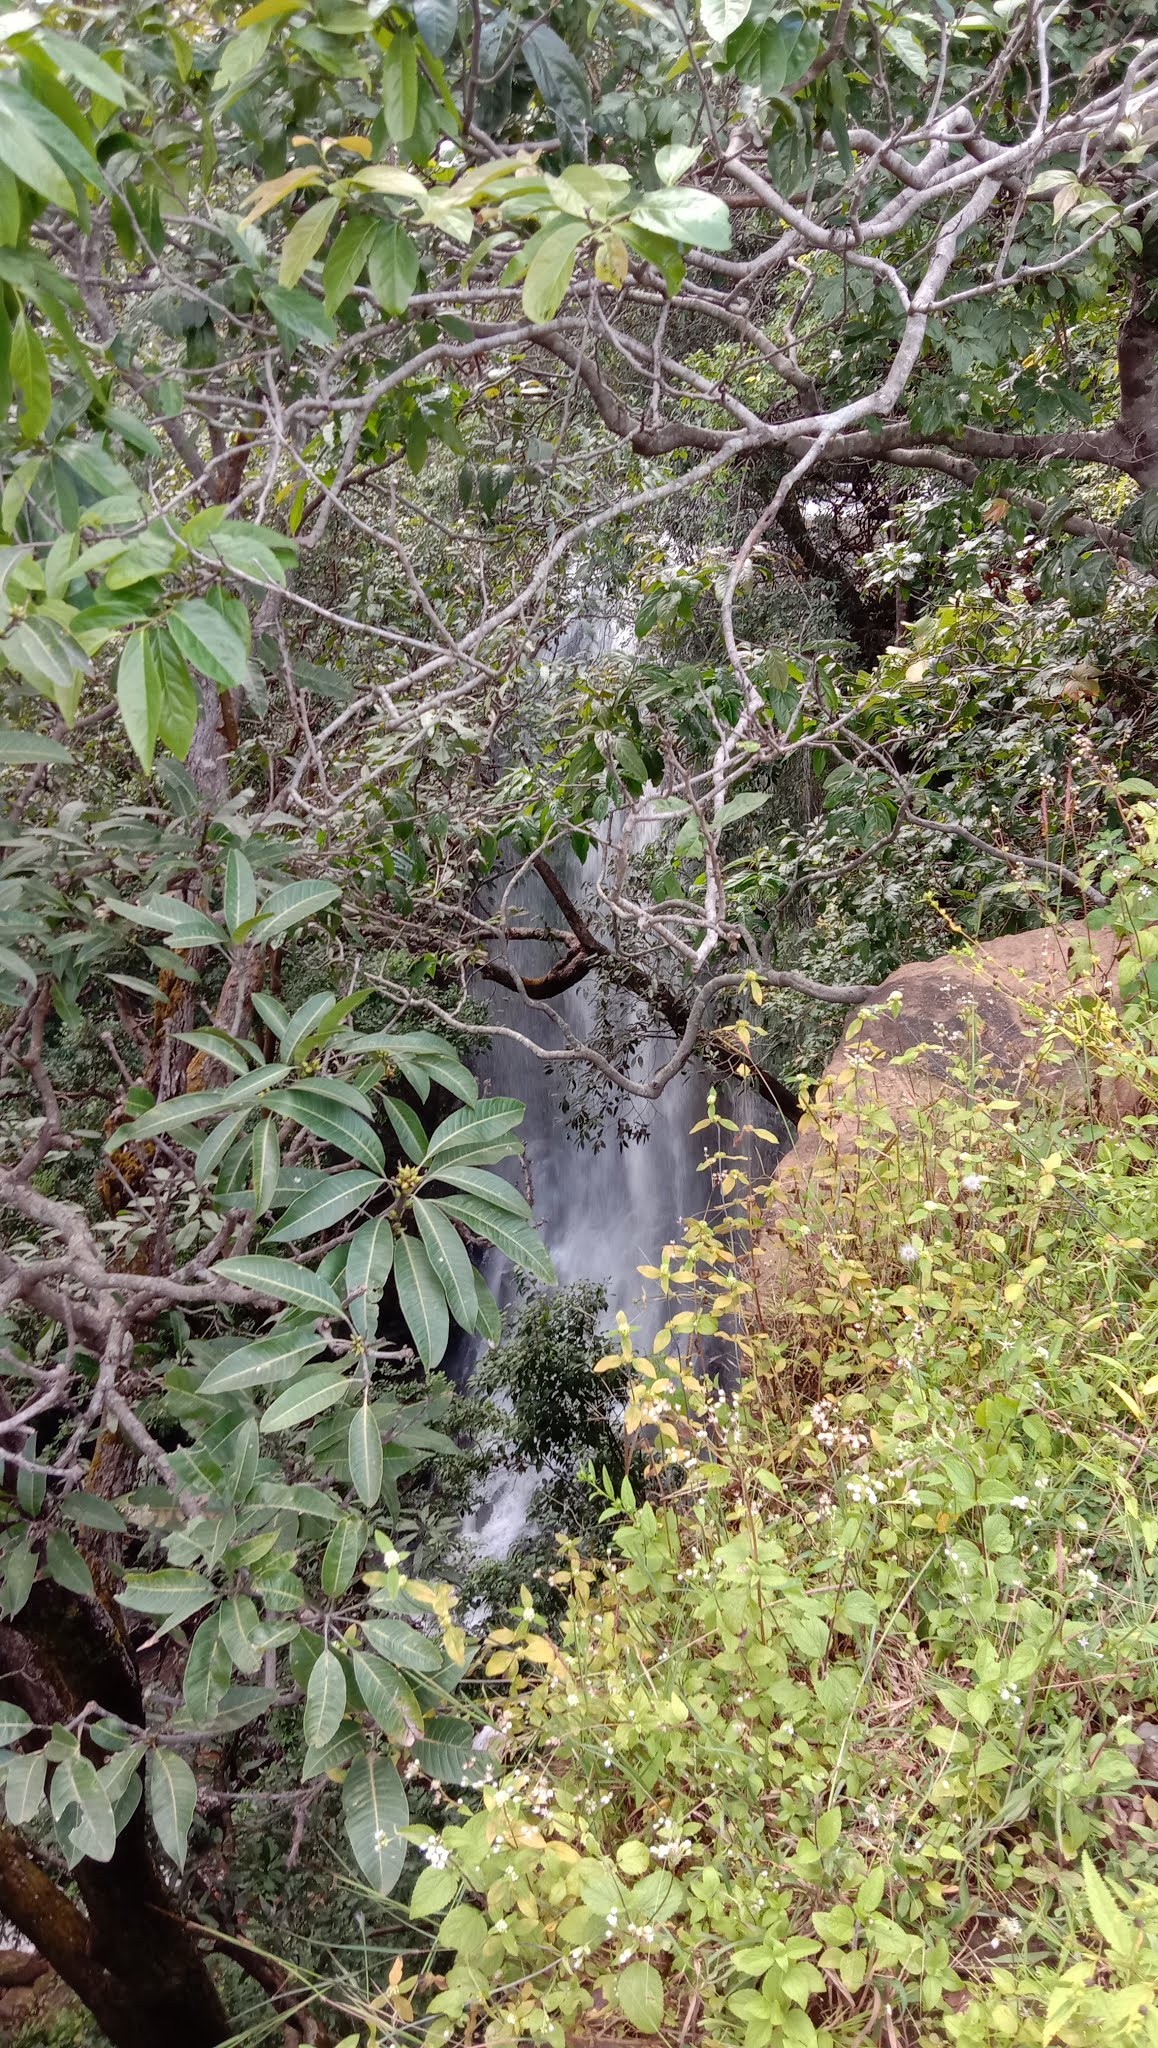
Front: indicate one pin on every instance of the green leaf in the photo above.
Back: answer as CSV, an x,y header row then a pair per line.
x,y
407,1129
299,317
171,1791
292,906
639,1990
91,1511
398,84
171,1595
325,1700
49,659
240,890
24,1787
207,1671
22,151
262,1364
449,1258
433,1891
393,267
74,59
551,268
1107,1917
139,699
14,1724
520,1244
24,749
82,1811
321,1207
368,1264
266,1164
167,1119
347,258
562,85
686,215
488,1318
437,24
64,1563
179,701
421,1300
182,923
399,1643
473,1129
333,1124
219,1046
304,240
364,1451
490,1187
386,1696
308,1397
208,640
445,1752
720,17
304,1021
375,1812
342,1555
281,1280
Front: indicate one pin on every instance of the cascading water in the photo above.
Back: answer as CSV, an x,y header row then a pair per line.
x,y
602,1212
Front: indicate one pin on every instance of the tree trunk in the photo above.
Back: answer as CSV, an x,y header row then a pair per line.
x,y
128,1955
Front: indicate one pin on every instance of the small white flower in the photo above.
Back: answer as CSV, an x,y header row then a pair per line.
x,y
972,1183
908,1254
390,1558
500,1926
436,1853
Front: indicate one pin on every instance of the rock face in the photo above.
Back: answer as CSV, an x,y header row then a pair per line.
x,y
935,1026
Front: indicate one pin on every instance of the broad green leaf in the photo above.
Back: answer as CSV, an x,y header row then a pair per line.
x,y
393,267
720,17
208,1157
488,1317
368,1263
490,1187
219,1046
375,1812
686,215
407,1129
64,1563
446,1752
266,1164
207,1673
74,59
437,24
333,1124
281,1280
171,1790
92,1511
450,1260
347,258
434,1889
325,1701
421,1300
562,85
305,1019
262,1364
386,1696
179,702
240,1627
24,1787
342,1555
364,1451
551,268
82,1811
14,1724
398,85
291,906
210,642
22,151
304,240
169,914
639,1990
516,1240
21,749
240,890
400,1643
171,1595
308,1397
473,1128
321,1207
139,699
391,179
167,1119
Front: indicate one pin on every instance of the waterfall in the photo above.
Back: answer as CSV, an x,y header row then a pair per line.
x,y
604,1212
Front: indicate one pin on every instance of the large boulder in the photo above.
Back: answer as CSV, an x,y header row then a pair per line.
x,y
975,1021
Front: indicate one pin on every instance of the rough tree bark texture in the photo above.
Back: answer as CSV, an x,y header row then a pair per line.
x,y
124,1949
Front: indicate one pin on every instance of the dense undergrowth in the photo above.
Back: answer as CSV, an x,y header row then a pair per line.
x,y
849,1738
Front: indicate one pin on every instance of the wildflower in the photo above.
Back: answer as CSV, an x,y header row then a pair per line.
x,y
436,1853
500,1926
972,1183
391,1557
908,1254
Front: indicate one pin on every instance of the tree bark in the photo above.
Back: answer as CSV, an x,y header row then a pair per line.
x,y
128,1955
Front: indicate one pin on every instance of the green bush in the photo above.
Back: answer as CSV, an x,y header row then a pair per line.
x,y
842,1741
